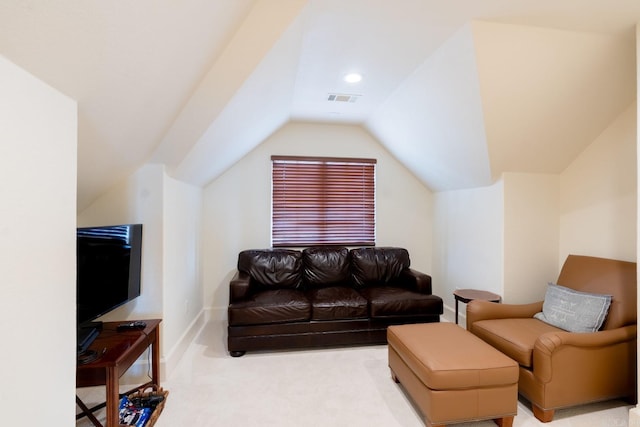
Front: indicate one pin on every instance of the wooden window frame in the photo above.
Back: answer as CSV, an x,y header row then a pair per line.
x,y
318,201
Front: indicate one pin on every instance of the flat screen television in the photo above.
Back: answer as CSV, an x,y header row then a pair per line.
x,y
108,274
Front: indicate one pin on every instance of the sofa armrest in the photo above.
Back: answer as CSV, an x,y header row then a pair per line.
x,y
484,310
560,348
239,286
416,280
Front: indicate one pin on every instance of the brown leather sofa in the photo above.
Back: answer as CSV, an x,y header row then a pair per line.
x,y
324,296
560,368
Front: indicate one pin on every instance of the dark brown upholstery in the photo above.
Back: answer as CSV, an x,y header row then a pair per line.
x,y
271,306
337,302
324,296
326,267
378,266
272,268
559,368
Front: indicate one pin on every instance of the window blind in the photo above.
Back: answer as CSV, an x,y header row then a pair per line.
x,y
322,201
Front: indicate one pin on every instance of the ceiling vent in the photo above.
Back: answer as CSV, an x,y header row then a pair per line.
x,y
342,97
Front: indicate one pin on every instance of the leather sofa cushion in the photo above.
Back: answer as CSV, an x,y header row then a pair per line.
x,y
272,268
325,266
513,337
378,266
335,303
387,301
274,306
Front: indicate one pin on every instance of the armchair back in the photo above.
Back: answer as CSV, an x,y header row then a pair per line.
x,y
604,276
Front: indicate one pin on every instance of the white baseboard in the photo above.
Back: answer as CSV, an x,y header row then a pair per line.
x,y
139,372
215,313
634,417
169,362
450,315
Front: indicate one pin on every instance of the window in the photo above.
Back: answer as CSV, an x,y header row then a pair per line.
x,y
322,201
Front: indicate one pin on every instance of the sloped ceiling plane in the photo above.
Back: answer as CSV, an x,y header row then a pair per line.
x,y
459,91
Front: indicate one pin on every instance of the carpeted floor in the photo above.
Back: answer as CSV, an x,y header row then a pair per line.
x,y
348,387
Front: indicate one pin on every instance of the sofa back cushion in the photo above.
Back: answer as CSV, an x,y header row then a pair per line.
x,y
272,268
608,277
325,266
378,266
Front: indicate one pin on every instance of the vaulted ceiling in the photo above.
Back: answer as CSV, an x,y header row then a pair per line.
x,y
458,90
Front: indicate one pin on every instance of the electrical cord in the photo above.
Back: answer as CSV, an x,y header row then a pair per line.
x,y
89,356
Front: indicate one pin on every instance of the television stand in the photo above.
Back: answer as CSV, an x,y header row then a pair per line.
x,y
117,351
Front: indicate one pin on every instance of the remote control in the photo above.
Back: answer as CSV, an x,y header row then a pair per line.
x,y
131,326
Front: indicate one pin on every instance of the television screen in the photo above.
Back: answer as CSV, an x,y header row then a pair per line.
x,y
108,268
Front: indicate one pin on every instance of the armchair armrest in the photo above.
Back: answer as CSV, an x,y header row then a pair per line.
x,y
562,348
239,286
416,280
484,310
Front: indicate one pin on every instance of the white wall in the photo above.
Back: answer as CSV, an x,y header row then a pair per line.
x,y
182,293
598,195
139,200
237,205
38,130
530,235
170,212
512,238
468,241
441,103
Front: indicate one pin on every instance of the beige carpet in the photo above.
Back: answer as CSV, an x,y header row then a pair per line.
x,y
348,387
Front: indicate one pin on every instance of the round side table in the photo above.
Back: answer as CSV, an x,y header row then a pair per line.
x,y
467,295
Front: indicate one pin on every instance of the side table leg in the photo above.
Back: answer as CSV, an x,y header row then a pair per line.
x,y
113,397
457,311
155,358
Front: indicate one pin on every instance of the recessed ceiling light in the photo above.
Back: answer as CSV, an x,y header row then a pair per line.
x,y
353,78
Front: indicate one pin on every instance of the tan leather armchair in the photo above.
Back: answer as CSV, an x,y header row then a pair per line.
x,y
559,369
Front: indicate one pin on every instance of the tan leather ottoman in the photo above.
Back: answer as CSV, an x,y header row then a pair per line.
x,y
451,375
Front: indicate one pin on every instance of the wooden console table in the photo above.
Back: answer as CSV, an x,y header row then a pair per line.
x,y
117,352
